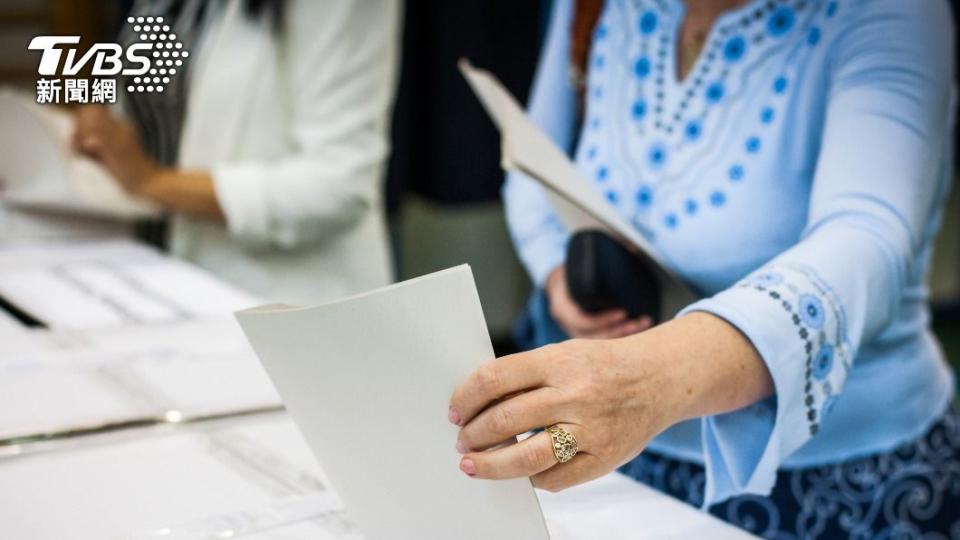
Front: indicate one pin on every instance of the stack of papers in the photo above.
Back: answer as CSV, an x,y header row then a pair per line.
x,y
165,484
81,285
57,382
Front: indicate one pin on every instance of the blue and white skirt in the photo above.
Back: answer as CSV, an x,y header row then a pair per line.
x,y
912,492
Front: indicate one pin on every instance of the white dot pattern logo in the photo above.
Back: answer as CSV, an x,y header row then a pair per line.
x,y
167,51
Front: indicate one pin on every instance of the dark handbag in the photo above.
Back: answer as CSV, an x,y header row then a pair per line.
x,y
602,274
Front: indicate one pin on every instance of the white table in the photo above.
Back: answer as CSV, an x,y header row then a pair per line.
x,y
247,476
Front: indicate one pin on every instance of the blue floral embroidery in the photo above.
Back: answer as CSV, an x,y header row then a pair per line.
x,y
767,115
811,311
828,406
642,67
780,85
717,198
818,319
715,92
613,197
823,363
735,42
735,49
831,9
648,23
639,109
781,21
766,279
670,220
602,173
644,196
657,155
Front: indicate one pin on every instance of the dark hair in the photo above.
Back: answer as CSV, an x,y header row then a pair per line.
x,y
265,8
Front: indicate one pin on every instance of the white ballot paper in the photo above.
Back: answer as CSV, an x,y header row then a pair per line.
x,y
81,285
525,149
368,382
41,172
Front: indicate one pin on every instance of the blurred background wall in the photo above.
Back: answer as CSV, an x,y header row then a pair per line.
x,y
444,177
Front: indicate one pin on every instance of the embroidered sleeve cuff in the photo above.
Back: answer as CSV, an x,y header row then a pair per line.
x,y
798,326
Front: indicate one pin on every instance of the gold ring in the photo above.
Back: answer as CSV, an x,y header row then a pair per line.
x,y
565,445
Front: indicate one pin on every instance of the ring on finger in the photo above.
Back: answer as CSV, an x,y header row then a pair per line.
x,y
565,445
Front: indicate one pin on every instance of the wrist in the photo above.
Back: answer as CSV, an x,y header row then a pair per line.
x,y
150,178
554,278
659,377
710,366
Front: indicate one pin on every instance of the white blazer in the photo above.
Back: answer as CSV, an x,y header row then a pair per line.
x,y
294,130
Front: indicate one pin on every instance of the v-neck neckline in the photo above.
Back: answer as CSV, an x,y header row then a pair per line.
x,y
679,12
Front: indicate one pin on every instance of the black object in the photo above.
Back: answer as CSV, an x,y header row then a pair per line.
x,y
602,274
20,315
444,146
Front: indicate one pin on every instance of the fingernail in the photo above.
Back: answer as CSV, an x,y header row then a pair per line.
x,y
468,467
453,417
461,448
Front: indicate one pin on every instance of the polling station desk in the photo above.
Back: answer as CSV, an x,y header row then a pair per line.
x,y
131,407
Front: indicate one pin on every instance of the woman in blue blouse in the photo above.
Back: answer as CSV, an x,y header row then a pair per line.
x,y
789,158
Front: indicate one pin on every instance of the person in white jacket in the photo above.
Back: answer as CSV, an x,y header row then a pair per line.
x,y
268,148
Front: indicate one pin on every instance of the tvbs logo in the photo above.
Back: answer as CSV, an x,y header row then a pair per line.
x,y
147,64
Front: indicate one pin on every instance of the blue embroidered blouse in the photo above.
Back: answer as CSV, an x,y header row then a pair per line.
x,y
795,177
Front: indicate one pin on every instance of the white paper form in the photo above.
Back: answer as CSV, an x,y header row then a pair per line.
x,y
218,476
9,325
525,149
55,382
615,507
610,508
40,170
79,285
368,381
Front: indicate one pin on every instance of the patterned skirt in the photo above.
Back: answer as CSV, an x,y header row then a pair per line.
x,y
912,492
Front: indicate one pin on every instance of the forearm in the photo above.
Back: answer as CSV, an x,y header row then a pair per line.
x,y
712,367
187,192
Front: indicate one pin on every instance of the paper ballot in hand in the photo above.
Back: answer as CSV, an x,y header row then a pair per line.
x,y
41,172
368,382
525,149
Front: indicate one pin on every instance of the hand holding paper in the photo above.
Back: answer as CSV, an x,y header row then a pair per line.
x,y
367,380
41,172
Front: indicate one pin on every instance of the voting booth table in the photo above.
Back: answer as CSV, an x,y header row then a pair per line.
x,y
144,398
133,407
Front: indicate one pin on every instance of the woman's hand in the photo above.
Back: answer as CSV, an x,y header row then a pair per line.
x,y
614,396
580,324
114,143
